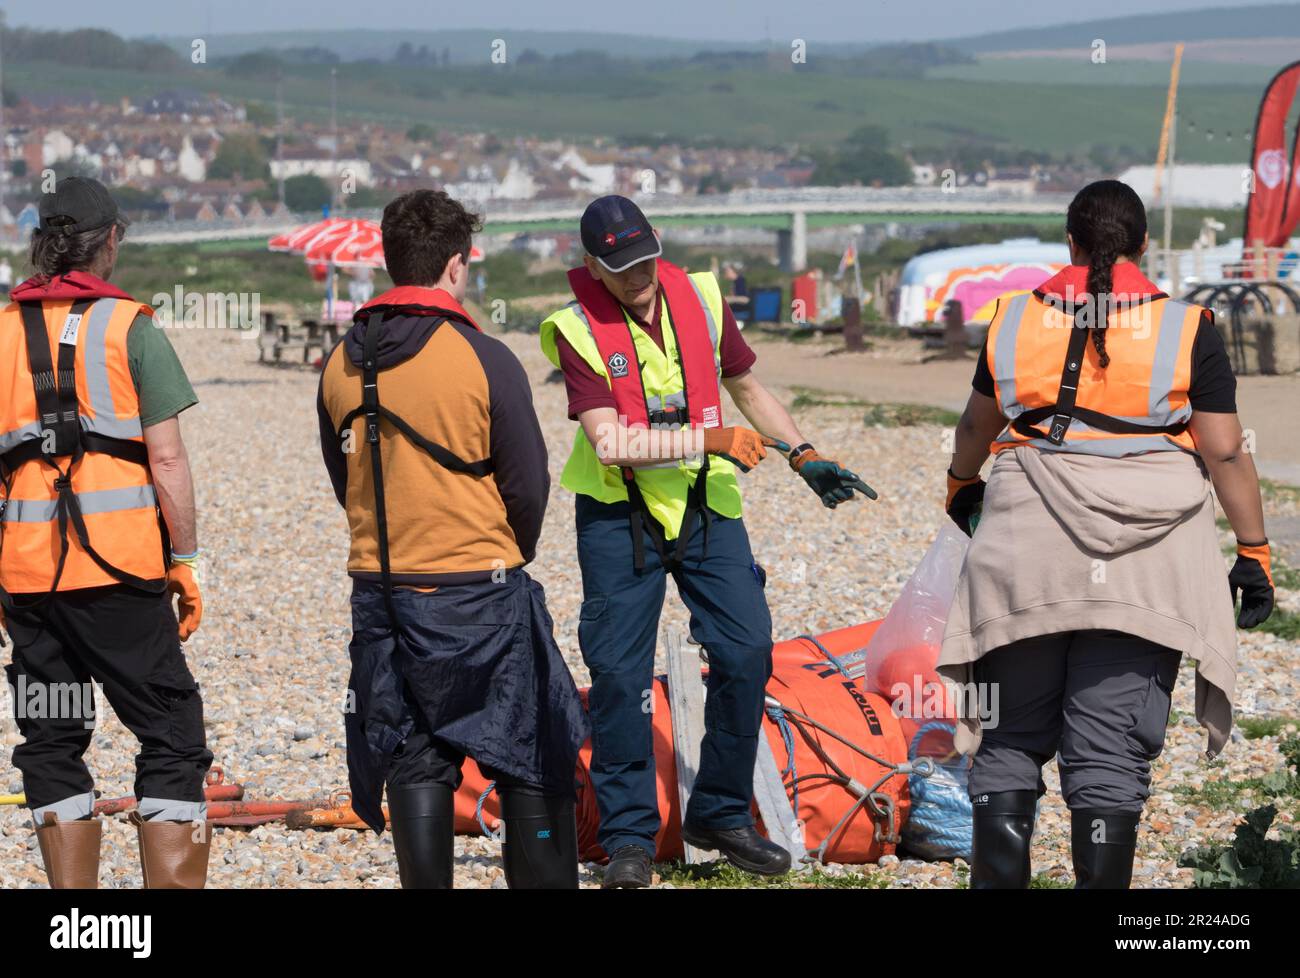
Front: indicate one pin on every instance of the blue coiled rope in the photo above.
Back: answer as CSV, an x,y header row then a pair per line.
x,y
939,826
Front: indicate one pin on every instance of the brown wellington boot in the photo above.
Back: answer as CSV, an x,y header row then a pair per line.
x,y
71,852
173,855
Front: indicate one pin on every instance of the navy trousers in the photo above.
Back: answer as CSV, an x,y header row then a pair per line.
x,y
723,589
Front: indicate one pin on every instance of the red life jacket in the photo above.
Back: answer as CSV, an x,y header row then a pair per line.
x,y
689,318
699,403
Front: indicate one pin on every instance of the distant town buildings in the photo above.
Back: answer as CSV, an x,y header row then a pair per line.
x,y
168,149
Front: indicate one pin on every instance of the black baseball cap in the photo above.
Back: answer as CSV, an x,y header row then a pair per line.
x,y
616,233
79,204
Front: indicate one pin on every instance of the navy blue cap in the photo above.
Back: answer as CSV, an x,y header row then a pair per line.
x,y
617,234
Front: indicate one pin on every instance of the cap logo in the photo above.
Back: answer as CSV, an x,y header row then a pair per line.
x,y
610,240
617,364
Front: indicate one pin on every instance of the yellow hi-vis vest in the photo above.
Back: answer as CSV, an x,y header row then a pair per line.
x,y
664,487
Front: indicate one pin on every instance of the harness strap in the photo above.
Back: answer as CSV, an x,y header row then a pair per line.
x,y
370,405
91,441
642,521
1069,390
1065,411
56,395
56,402
1026,422
373,410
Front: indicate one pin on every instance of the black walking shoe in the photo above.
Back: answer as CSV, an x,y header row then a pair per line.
x,y
743,847
628,869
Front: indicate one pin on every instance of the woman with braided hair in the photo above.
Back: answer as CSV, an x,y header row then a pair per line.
x,y
1110,411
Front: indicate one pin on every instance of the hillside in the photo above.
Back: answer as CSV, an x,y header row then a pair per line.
x,y
1217,23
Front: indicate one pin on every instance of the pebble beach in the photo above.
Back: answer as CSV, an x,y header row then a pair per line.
x,y
271,655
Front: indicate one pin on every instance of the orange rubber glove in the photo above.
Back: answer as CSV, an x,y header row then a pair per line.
x,y
181,582
743,446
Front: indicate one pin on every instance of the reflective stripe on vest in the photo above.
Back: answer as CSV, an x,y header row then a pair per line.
x,y
103,418
96,501
114,494
1027,347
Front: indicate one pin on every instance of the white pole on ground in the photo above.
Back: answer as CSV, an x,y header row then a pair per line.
x,y
686,703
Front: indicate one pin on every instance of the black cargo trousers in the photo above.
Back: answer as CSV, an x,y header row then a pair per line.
x,y
126,640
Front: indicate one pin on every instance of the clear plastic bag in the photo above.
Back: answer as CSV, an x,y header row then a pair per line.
x,y
900,666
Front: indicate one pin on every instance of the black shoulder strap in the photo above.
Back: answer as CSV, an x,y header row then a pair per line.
x,y
1069,391
56,397
370,406
1064,412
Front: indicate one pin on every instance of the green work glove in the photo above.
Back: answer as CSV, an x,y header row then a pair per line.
x,y
831,481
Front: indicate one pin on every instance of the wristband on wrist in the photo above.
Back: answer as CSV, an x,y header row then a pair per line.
x,y
190,559
799,450
1242,543
958,478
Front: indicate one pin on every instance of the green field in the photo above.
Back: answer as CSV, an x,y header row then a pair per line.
x,y
1081,72
771,107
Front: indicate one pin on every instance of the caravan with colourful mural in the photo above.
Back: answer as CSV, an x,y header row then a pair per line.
x,y
975,276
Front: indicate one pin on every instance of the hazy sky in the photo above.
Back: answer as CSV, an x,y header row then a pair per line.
x,y
742,20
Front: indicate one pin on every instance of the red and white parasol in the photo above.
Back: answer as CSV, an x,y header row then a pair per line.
x,y
343,242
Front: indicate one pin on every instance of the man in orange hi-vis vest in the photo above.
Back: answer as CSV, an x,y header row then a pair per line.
x,y
97,533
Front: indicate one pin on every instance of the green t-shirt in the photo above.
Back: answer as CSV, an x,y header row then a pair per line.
x,y
160,380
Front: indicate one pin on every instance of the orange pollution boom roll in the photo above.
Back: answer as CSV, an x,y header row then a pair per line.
x,y
825,777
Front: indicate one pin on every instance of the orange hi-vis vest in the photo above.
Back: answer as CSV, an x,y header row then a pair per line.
x,y
1055,394
79,508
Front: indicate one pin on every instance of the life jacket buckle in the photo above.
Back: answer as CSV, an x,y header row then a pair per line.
x,y
669,417
1060,424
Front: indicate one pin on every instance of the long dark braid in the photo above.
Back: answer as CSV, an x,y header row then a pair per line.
x,y
1107,220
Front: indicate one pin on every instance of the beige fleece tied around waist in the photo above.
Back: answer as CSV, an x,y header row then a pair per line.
x,y
1068,541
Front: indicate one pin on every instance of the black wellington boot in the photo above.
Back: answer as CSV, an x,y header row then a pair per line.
x,y
1003,826
423,823
540,851
1102,844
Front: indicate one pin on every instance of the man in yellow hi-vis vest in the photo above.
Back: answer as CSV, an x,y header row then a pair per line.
x,y
645,350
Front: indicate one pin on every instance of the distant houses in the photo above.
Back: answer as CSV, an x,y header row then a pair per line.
x,y
164,146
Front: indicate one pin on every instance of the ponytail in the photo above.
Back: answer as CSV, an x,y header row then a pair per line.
x,y
1100,268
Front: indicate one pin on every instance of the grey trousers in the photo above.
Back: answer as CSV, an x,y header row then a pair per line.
x,y
1098,699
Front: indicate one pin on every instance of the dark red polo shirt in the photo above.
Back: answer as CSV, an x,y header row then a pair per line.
x,y
588,389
